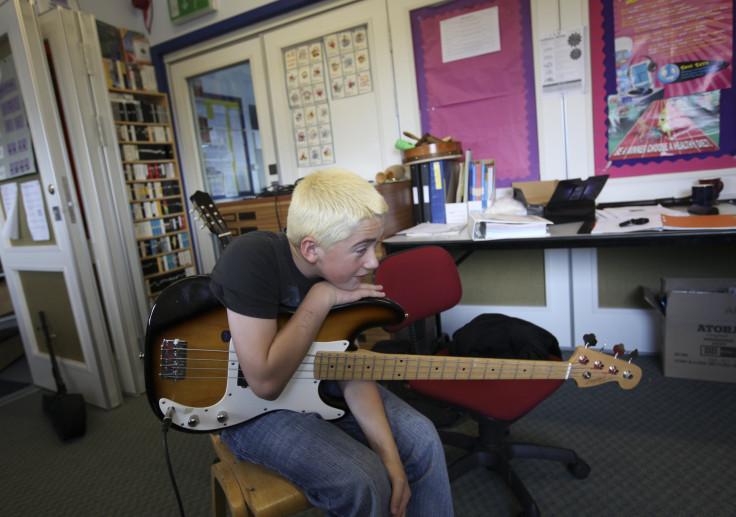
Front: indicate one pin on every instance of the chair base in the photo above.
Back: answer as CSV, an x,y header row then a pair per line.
x,y
492,451
251,490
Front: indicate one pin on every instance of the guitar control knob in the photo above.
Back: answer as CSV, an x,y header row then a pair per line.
x,y
193,421
222,417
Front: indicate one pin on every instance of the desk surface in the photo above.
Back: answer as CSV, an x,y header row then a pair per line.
x,y
567,236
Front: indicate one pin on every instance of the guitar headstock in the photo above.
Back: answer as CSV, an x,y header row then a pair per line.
x,y
589,367
211,217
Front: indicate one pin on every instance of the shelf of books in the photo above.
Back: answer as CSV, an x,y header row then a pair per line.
x,y
145,135
155,195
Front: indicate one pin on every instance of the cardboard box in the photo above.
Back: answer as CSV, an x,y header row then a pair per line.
x,y
699,328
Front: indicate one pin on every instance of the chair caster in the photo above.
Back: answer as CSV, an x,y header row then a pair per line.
x,y
531,511
579,469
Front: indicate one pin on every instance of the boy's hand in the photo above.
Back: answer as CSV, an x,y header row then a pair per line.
x,y
339,296
400,491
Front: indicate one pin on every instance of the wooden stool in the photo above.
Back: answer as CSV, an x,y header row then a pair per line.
x,y
251,490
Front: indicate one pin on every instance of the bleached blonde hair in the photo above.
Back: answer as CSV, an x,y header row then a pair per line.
x,y
329,205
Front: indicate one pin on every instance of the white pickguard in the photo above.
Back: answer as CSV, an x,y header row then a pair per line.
x,y
239,404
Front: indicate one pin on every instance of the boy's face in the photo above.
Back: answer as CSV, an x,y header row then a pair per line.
x,y
349,261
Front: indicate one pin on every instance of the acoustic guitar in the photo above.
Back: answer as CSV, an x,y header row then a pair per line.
x,y
206,211
193,375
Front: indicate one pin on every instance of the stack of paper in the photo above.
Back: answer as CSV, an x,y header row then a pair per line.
x,y
627,219
507,226
429,229
655,218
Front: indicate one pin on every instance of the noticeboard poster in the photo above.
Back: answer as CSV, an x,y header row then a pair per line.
x,y
663,96
319,73
483,95
16,147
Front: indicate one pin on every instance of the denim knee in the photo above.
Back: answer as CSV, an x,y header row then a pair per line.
x,y
363,489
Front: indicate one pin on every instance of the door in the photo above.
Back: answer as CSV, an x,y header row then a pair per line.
x,y
43,247
77,71
220,103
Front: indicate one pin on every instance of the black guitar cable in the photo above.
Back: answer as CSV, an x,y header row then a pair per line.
x,y
164,429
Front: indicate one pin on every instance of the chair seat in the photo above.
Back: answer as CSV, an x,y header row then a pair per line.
x,y
250,489
506,399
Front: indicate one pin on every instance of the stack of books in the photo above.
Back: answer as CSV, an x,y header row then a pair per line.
x,y
127,59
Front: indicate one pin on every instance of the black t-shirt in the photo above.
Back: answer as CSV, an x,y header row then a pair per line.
x,y
256,275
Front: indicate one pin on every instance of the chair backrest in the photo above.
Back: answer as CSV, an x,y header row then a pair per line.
x,y
424,281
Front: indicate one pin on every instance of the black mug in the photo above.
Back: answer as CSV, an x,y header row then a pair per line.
x,y
704,195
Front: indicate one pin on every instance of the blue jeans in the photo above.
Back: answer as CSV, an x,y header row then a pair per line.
x,y
331,462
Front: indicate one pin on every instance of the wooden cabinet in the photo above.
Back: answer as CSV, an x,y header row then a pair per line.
x,y
263,213
269,213
155,193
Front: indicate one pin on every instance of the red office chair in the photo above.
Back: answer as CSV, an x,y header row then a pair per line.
x,y
425,282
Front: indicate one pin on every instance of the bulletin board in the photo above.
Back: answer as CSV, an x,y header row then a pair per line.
x,y
485,101
26,221
224,152
16,150
662,84
359,84
319,72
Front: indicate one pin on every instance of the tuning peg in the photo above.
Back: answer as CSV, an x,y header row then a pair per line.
x,y
633,354
619,349
589,340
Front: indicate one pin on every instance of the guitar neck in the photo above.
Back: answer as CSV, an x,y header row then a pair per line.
x,y
211,217
363,365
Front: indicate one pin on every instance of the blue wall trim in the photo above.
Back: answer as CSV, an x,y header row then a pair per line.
x,y
259,14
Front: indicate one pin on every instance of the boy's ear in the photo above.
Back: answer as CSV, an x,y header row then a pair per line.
x,y
309,249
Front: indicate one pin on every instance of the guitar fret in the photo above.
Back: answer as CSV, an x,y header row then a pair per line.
x,y
406,367
371,366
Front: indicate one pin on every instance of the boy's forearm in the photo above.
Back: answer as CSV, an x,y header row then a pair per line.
x,y
365,403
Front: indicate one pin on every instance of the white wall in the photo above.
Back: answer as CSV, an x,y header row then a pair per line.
x,y
560,121
121,13
118,13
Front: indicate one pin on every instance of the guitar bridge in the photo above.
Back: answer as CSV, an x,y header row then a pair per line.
x,y
173,359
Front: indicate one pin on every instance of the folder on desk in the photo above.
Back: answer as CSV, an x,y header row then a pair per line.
x,y
424,181
416,194
507,226
436,192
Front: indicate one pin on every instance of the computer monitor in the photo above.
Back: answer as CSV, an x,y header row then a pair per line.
x,y
641,77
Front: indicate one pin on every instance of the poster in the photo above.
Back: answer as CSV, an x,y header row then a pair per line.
x,y
16,149
563,62
663,86
318,75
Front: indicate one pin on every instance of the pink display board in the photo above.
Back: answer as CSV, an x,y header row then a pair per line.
x,y
485,101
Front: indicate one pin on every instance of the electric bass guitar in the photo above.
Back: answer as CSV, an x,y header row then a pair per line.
x,y
193,376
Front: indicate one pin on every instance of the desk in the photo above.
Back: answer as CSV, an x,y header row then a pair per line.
x,y
575,265
567,236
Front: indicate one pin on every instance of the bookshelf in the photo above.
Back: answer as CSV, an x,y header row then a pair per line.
x,y
155,193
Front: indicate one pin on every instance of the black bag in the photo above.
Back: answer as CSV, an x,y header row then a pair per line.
x,y
501,336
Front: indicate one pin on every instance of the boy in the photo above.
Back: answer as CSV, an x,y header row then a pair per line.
x,y
383,457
